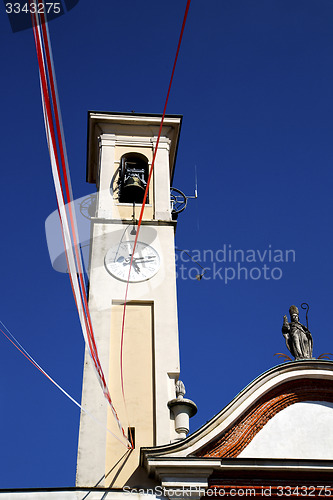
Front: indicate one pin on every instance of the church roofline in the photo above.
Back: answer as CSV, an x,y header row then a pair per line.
x,y
173,463
271,379
191,476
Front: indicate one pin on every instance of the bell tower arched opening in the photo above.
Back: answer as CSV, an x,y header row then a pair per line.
x,y
133,177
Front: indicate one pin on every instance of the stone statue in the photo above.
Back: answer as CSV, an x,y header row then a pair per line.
x,y
298,337
180,389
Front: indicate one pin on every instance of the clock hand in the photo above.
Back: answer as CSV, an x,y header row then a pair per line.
x,y
128,261
135,259
148,257
145,260
136,267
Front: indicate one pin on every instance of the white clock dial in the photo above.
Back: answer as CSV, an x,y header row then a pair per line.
x,y
146,261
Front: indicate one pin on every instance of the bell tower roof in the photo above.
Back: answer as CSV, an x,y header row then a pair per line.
x,y
130,126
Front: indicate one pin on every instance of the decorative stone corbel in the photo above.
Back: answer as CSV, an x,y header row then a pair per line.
x,y
182,410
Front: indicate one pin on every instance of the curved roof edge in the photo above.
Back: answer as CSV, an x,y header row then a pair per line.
x,y
271,379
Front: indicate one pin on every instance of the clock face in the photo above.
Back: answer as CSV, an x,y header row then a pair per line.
x,y
146,261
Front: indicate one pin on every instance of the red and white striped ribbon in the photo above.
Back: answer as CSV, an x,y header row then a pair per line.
x,y
62,184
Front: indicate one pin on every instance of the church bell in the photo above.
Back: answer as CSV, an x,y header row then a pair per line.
x,y
133,188
133,180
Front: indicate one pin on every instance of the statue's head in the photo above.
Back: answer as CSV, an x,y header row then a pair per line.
x,y
294,313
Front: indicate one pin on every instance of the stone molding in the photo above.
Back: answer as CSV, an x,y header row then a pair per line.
x,y
248,398
197,462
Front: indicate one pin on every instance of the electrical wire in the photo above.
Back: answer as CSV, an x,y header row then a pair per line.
x,y
145,198
25,353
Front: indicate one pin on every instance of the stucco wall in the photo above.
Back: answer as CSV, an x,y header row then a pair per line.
x,y
303,430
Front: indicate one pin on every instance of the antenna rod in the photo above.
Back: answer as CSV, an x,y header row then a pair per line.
x,y
196,182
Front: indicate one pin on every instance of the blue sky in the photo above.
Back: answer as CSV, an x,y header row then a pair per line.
x,y
254,82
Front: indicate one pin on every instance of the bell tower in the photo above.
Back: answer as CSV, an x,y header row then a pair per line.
x,y
119,156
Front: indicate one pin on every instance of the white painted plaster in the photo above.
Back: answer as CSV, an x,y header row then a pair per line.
x,y
162,183
303,430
